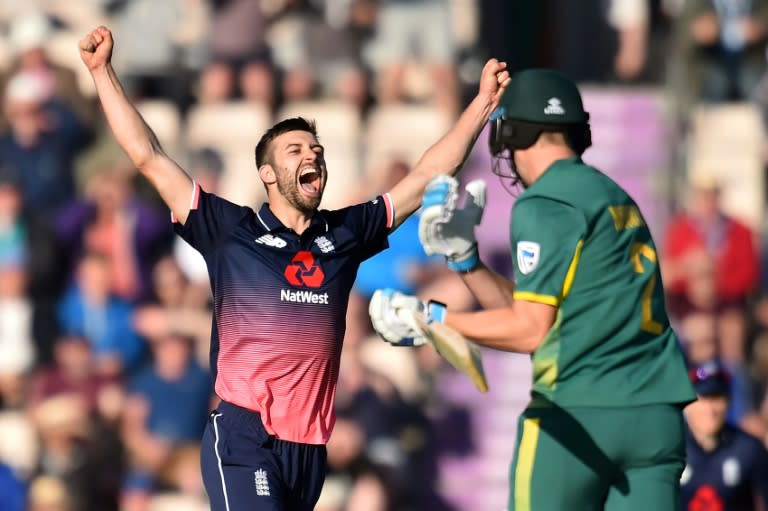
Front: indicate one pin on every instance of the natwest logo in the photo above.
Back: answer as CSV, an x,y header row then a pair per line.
x,y
286,295
304,270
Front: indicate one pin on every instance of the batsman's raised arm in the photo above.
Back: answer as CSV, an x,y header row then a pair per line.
x,y
133,134
448,154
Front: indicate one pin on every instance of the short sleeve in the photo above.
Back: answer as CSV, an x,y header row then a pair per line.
x,y
546,240
370,224
210,219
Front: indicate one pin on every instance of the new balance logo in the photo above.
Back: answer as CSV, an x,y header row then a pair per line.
x,y
286,295
261,482
271,241
554,107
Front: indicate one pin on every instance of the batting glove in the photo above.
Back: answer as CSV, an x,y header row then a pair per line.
x,y
450,231
392,316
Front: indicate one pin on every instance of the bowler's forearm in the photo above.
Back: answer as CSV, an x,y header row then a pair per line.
x,y
133,135
450,152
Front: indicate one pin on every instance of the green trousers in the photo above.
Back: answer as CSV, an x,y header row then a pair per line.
x,y
589,459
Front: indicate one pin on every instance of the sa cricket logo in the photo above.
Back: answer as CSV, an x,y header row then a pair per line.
x,y
554,107
304,271
527,256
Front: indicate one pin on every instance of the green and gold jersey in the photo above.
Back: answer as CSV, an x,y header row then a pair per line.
x,y
581,244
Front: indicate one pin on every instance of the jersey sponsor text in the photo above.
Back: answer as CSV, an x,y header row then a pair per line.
x,y
286,295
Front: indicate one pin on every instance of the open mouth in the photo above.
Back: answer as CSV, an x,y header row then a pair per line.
x,y
309,181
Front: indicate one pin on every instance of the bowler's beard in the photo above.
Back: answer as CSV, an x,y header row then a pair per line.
x,y
289,189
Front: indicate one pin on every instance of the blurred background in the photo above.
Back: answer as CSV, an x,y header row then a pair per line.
x,y
105,316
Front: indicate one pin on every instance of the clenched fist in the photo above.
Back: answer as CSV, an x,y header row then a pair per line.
x,y
96,48
494,79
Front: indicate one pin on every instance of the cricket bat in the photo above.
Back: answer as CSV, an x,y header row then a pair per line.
x,y
459,351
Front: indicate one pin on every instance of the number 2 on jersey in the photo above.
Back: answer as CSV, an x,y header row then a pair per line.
x,y
640,251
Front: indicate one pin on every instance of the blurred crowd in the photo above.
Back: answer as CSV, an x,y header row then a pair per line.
x,y
105,316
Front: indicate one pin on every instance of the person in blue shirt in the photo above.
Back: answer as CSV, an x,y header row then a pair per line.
x,y
726,469
13,492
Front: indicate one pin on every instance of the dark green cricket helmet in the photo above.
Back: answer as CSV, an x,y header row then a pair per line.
x,y
538,100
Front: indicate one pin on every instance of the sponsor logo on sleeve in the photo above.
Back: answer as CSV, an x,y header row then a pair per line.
x,y
528,253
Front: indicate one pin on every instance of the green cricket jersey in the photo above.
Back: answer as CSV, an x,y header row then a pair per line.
x,y
580,243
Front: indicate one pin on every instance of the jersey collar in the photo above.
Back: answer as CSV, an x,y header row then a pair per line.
x,y
271,223
548,173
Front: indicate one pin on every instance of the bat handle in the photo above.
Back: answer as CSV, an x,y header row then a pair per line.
x,y
407,316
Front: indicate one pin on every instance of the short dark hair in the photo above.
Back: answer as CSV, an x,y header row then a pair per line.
x,y
284,126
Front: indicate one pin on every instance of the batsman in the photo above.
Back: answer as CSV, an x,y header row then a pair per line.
x,y
604,427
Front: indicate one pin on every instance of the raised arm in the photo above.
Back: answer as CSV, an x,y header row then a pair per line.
x,y
133,134
448,154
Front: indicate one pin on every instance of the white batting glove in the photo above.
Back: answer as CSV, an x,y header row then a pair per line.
x,y
445,229
386,310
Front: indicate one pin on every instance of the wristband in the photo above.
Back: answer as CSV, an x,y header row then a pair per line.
x,y
467,263
435,311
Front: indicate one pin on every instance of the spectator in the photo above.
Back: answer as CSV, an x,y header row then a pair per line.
x,y
49,493
699,336
27,245
75,452
167,407
73,372
89,309
334,54
704,242
177,307
289,25
726,468
28,36
17,347
375,421
631,21
42,143
158,56
351,472
415,31
722,46
240,59
12,490
110,220
599,41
